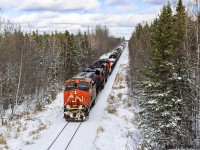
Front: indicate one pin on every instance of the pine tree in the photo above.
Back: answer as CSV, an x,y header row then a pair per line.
x,y
75,65
180,22
63,54
169,104
85,50
162,105
184,89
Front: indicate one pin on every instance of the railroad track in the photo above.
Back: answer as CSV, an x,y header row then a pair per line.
x,y
65,136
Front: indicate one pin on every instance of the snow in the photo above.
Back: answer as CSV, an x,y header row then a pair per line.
x,y
118,128
105,56
112,124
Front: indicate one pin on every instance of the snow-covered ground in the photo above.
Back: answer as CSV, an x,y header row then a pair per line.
x,y
118,127
112,124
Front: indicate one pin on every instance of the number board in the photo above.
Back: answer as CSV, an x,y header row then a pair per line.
x,y
81,80
72,80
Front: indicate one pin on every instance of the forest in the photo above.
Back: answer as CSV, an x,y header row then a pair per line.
x,y
34,65
165,71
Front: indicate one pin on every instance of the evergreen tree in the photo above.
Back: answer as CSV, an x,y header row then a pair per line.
x,y
66,55
169,102
180,22
74,58
183,89
85,50
63,54
163,98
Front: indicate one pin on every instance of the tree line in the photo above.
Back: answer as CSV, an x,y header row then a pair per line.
x,y
34,66
164,60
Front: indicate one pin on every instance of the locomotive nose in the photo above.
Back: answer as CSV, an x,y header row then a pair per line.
x,y
74,98
74,92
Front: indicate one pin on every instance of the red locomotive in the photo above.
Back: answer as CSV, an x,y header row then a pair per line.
x,y
80,93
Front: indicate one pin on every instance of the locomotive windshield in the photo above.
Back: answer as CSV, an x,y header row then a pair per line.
x,y
83,86
70,86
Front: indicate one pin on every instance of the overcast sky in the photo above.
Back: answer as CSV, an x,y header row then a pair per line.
x,y
120,16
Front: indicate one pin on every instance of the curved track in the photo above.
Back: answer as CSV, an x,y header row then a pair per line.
x,y
65,136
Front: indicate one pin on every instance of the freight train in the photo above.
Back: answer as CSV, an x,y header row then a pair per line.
x,y
81,90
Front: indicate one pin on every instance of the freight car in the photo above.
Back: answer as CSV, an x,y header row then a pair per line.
x,y
105,65
113,58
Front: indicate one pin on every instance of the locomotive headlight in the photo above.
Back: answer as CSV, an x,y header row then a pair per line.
x,y
75,92
80,107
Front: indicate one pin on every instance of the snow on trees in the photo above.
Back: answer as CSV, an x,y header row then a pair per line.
x,y
167,97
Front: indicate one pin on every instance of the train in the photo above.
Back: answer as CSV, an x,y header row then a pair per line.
x,y
82,89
